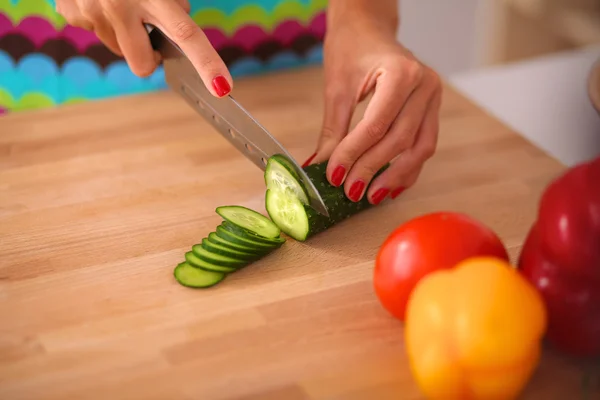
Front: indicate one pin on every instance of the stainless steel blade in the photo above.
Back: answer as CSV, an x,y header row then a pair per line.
x,y
225,114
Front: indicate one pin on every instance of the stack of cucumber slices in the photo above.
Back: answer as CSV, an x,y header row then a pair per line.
x,y
246,236
243,237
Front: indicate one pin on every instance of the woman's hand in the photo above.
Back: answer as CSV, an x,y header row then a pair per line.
x,y
400,124
119,25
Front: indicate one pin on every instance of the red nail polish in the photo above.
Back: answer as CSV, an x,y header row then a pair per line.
x,y
307,162
221,86
379,195
356,190
397,192
338,175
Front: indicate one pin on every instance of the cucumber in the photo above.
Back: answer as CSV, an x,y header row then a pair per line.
x,y
217,259
228,252
192,277
237,239
281,176
301,221
245,233
243,237
216,239
250,220
209,265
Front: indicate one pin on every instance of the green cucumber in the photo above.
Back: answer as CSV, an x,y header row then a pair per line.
x,y
301,221
280,175
245,233
250,220
228,252
237,239
216,259
192,277
216,239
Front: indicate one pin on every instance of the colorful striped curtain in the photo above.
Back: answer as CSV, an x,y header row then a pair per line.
x,y
45,62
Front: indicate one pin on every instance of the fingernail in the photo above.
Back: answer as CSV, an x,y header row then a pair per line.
x,y
397,192
338,175
221,86
379,195
356,190
307,162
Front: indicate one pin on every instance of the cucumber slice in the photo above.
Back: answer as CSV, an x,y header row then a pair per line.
x,y
217,259
281,176
216,239
209,263
237,239
245,233
301,221
250,220
288,212
228,252
192,277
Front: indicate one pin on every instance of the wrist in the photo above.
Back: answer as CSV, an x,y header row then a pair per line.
x,y
364,14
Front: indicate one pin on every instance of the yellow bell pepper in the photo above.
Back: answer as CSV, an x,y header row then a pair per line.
x,y
474,332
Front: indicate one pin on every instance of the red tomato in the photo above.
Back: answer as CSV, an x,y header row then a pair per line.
x,y
424,244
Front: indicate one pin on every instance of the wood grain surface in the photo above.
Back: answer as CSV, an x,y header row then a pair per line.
x,y
99,201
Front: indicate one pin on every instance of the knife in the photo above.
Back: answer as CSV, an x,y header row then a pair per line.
x,y
225,114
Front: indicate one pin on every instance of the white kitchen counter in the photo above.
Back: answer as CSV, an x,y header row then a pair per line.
x,y
544,99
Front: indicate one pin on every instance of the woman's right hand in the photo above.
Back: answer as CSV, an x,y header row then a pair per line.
x,y
119,24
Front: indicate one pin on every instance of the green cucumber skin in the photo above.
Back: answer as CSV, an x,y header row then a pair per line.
x,y
227,252
340,207
235,238
245,233
197,260
213,237
181,268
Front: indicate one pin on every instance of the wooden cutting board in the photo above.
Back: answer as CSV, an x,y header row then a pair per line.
x,y
98,203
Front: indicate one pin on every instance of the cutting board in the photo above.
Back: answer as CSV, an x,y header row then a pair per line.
x,y
99,202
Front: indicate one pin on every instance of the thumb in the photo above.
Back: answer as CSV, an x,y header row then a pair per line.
x,y
336,121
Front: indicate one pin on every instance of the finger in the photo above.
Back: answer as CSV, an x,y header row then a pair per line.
x,y
339,106
132,38
409,180
185,4
181,29
398,176
400,137
106,34
391,92
70,12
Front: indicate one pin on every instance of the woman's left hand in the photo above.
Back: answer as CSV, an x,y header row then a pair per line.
x,y
400,124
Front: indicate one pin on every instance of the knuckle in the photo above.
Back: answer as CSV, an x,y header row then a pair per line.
x,y
113,7
428,150
434,81
368,170
375,130
413,71
404,141
90,10
186,30
206,63
328,133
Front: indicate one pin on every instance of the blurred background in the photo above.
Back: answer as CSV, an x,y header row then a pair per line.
x,y
459,35
531,63
528,62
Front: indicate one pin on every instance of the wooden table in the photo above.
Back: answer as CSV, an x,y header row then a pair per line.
x,y
98,202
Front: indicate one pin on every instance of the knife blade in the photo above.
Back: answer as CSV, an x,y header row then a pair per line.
x,y
225,114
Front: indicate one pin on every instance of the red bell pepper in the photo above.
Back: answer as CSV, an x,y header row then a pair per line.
x,y
561,257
